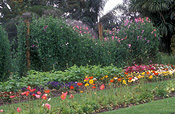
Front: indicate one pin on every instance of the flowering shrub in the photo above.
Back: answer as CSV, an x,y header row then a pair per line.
x,y
139,40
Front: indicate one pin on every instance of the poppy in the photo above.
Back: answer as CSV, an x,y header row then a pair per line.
x,y
79,84
91,77
111,81
71,87
93,87
102,87
47,91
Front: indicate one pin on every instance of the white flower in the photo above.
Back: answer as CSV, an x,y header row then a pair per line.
x,y
133,80
49,99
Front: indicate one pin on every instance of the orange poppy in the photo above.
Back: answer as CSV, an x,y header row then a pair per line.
x,y
147,73
119,79
130,78
47,91
91,77
126,73
111,81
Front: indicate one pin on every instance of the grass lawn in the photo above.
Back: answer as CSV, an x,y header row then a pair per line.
x,y
164,106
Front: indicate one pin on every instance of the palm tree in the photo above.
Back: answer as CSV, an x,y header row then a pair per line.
x,y
161,13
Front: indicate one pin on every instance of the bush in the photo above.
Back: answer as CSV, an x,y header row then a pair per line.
x,y
5,58
56,45
137,41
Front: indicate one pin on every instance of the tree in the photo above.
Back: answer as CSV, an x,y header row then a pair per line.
x,y
87,11
161,13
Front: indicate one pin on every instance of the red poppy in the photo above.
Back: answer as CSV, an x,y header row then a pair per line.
x,y
93,87
29,88
32,90
111,81
44,97
47,91
33,94
91,77
71,87
79,84
156,74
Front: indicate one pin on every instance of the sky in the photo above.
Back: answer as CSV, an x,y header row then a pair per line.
x,y
110,5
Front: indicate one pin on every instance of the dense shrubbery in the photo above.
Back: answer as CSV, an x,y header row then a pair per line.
x,y
137,40
5,57
54,44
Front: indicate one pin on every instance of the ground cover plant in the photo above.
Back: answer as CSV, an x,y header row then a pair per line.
x,y
93,94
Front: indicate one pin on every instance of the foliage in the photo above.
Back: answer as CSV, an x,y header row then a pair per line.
x,y
55,45
161,14
173,44
5,55
138,40
21,50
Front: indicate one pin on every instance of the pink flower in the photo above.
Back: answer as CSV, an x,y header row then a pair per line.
x,y
71,96
86,28
25,93
12,96
129,45
155,35
44,97
1,110
45,28
47,106
39,93
109,52
37,96
29,88
63,96
19,109
102,87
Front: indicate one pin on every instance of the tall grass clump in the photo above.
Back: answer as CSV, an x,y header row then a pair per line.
x,y
5,56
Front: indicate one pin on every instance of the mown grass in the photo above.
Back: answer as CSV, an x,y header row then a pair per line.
x,y
164,106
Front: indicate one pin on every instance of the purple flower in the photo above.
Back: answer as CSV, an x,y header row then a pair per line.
x,y
148,41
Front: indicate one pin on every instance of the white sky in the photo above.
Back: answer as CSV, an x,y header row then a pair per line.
x,y
110,5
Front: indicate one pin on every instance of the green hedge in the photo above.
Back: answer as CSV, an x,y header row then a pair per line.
x,y
5,55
